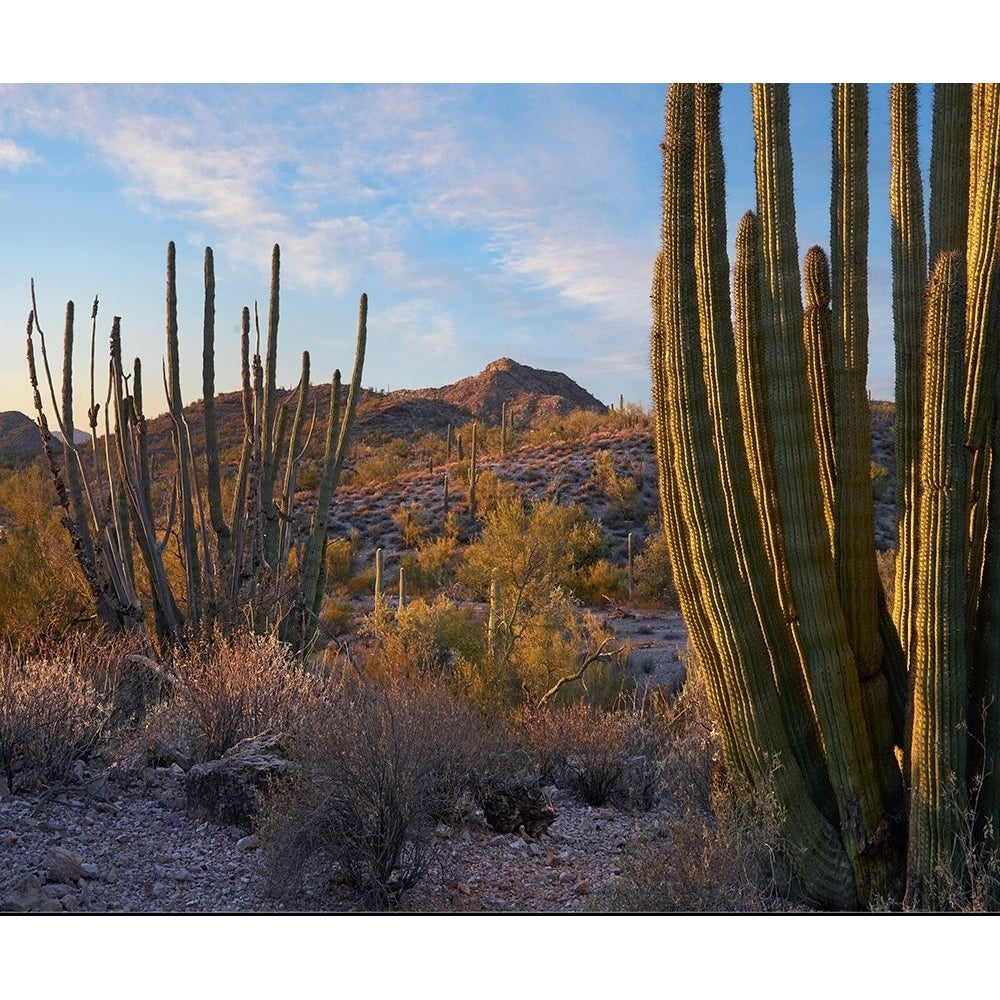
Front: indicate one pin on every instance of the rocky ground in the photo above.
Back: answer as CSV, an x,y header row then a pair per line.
x,y
110,842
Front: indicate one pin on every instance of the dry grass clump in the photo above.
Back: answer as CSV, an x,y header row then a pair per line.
x,y
375,773
714,847
601,756
227,690
50,716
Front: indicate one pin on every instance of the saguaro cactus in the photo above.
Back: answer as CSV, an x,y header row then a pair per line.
x,y
768,511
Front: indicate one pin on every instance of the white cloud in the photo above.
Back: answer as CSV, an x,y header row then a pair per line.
x,y
419,326
13,156
367,186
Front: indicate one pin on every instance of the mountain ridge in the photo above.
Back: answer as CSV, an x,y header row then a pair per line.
x,y
533,396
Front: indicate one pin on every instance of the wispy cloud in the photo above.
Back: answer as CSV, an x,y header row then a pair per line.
x,y
349,179
472,214
13,156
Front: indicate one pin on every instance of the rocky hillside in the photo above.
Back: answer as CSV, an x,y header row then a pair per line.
x,y
533,396
19,437
20,440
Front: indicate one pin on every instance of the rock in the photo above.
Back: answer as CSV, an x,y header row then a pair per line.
x,y
248,843
56,890
23,897
61,865
228,791
90,870
510,805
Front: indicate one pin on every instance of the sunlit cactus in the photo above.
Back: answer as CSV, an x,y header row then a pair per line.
x,y
768,506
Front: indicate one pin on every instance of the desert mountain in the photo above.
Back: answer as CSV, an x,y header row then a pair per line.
x,y
19,438
533,396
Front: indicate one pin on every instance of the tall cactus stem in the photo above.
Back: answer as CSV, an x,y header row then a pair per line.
x,y
213,478
940,666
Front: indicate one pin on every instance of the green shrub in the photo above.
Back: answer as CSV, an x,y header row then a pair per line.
x,y
880,480
42,589
336,615
432,567
424,638
342,557
412,524
621,489
601,582
380,464
533,548
653,578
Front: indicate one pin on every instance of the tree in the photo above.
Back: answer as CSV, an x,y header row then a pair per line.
x,y
882,722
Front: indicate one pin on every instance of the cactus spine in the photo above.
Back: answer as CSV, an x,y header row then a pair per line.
x,y
769,507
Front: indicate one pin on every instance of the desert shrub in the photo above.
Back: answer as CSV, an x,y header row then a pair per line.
x,y
603,581
715,844
227,690
879,479
653,578
342,557
599,755
536,553
574,426
423,637
412,524
629,417
380,465
336,616
620,488
432,567
699,862
374,775
533,548
491,490
42,589
309,476
50,716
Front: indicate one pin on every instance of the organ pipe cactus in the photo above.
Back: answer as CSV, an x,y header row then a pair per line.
x,y
767,506
247,572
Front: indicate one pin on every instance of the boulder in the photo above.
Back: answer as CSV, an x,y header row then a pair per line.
x,y
228,791
61,865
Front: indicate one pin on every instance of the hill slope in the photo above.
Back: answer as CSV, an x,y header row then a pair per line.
x,y
19,438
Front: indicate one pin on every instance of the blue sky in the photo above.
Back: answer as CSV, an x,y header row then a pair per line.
x,y
482,220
